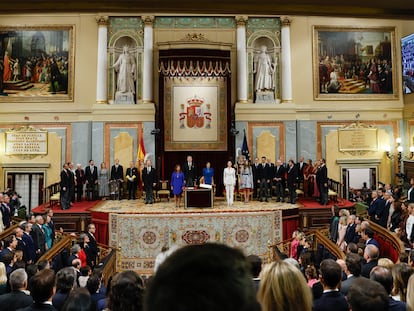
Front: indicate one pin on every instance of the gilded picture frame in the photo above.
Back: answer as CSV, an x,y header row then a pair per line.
x,y
37,63
355,63
193,114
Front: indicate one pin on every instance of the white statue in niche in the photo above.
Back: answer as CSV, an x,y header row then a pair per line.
x,y
125,66
264,69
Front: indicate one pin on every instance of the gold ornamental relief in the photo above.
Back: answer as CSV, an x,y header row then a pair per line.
x,y
195,37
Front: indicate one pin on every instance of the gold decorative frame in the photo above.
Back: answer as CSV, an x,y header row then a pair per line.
x,y
26,142
358,138
362,45
211,94
58,43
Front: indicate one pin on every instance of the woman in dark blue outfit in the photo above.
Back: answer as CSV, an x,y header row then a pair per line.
x,y
177,184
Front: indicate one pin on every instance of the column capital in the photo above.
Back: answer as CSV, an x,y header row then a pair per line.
x,y
241,20
102,20
285,21
148,20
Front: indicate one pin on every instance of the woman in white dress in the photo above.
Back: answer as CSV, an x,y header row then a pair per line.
x,y
246,180
229,181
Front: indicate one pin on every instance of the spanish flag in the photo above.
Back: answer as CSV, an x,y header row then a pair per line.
x,y
141,158
141,149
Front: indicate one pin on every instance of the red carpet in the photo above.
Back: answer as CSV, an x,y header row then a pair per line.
x,y
77,207
310,203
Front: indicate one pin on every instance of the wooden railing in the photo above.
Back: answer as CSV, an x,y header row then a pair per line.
x,y
321,237
107,259
8,231
391,244
64,243
318,237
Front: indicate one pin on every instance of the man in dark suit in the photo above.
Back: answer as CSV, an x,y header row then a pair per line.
x,y
42,289
10,244
117,175
353,263
265,175
91,180
132,180
388,200
255,172
65,180
80,181
190,172
17,298
383,276
376,208
30,255
301,165
292,181
38,235
279,181
149,179
93,246
5,210
371,254
322,182
350,230
331,299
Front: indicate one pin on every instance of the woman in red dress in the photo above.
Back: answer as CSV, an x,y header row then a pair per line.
x,y
308,179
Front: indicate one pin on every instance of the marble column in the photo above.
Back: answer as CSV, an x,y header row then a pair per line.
x,y
147,75
102,74
241,59
286,62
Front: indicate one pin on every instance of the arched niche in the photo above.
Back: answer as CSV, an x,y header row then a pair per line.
x,y
256,43
116,45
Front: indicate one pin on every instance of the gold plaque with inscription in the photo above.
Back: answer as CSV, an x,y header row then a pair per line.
x,y
358,139
26,140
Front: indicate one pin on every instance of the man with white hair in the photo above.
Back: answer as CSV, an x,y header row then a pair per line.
x,y
371,253
17,298
38,236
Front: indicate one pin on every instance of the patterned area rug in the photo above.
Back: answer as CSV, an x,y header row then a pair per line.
x,y
140,237
220,206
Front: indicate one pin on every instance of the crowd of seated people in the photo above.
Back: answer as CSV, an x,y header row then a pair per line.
x,y
217,277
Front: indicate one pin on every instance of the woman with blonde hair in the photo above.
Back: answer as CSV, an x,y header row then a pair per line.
x,y
401,273
342,225
283,288
3,279
410,294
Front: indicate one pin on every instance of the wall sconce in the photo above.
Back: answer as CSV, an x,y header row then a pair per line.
x,y
399,151
411,152
398,148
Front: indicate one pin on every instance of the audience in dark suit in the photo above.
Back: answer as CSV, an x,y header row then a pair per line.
x,y
39,238
383,276
353,263
367,295
371,254
332,298
17,298
42,289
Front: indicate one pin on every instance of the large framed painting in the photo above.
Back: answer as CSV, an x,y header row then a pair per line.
x,y
354,63
195,114
38,63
